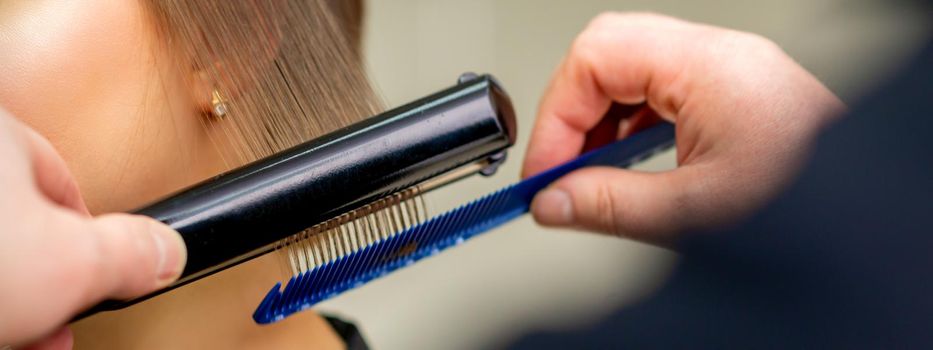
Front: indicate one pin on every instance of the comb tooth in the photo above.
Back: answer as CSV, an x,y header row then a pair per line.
x,y
346,271
296,294
332,276
302,290
320,281
392,244
461,216
264,312
342,273
288,292
339,277
430,231
351,272
492,203
307,295
314,277
291,305
368,258
310,284
383,256
378,253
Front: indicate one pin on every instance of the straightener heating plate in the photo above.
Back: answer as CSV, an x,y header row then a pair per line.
x,y
443,231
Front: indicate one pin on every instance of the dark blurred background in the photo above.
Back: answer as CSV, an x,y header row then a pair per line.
x,y
521,276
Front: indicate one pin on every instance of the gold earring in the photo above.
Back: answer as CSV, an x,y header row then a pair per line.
x,y
218,104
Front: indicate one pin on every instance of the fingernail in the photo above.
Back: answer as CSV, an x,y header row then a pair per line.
x,y
172,252
552,207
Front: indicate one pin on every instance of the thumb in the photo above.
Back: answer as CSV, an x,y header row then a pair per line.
x,y
611,200
136,255
84,261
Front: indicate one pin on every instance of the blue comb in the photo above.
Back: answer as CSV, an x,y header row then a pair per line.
x,y
445,230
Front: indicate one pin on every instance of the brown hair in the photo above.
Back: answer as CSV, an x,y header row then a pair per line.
x,y
290,70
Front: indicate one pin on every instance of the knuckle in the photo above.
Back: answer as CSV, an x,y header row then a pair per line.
x,y
84,267
590,45
127,247
607,209
584,49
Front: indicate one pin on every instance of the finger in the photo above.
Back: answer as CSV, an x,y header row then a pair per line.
x,y
51,173
85,261
629,59
135,255
643,206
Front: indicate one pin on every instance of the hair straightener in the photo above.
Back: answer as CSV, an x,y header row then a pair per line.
x,y
344,206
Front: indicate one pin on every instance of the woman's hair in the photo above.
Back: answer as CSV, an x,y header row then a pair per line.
x,y
288,70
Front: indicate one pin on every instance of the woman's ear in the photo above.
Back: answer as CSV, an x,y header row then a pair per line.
x,y
211,89
202,90
228,65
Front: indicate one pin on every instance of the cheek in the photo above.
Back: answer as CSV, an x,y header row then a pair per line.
x,y
59,57
84,74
